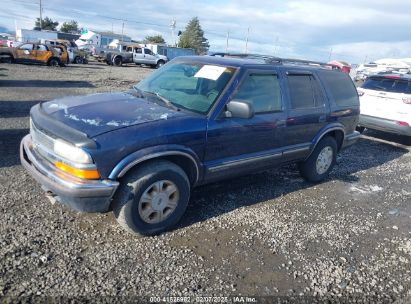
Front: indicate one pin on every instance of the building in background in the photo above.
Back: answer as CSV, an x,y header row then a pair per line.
x,y
99,39
24,35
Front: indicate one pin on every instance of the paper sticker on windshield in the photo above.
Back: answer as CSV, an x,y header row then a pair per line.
x,y
210,72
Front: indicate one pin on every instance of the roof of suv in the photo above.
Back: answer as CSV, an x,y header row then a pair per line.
x,y
239,60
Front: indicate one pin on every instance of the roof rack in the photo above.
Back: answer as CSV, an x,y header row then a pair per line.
x,y
272,59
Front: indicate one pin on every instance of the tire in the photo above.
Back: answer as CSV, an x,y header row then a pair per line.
x,y
118,61
360,129
138,215
53,62
321,161
78,60
7,59
159,64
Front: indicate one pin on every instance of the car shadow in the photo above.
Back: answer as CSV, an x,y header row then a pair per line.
x,y
45,84
388,137
216,199
9,146
10,108
84,66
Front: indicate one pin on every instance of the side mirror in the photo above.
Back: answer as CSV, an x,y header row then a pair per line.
x,y
239,109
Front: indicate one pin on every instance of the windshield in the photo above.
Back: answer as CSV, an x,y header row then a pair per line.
x,y
192,86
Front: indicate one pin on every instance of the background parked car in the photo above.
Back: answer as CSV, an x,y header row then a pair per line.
x,y
386,103
35,53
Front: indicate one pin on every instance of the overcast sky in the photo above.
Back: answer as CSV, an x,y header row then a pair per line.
x,y
351,30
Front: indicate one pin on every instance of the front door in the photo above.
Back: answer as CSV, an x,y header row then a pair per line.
x,y
26,53
149,57
237,145
138,56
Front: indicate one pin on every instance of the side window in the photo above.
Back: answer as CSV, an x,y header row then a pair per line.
x,y
262,91
138,50
304,92
341,88
41,47
149,52
28,47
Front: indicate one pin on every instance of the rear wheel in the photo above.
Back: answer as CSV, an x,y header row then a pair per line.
x,y
118,61
54,62
78,60
152,198
320,163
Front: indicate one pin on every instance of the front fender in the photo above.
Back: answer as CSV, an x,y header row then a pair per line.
x,y
155,152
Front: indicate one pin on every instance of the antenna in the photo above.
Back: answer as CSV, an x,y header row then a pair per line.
x,y
246,40
228,37
173,29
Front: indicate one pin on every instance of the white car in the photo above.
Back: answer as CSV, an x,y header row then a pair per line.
x,y
385,103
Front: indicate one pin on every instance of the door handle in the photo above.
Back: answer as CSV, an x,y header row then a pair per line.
x,y
281,123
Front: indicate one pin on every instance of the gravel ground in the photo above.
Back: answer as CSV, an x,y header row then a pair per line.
x,y
269,234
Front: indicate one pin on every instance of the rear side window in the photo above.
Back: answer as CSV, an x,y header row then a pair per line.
x,y
388,85
262,91
304,92
341,88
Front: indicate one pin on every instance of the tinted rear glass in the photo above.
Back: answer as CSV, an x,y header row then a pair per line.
x,y
341,88
301,92
388,85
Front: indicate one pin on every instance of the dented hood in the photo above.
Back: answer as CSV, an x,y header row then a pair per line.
x,y
100,113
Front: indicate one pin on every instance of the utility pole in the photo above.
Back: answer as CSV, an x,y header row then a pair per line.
x,y
228,37
246,40
173,29
122,32
331,52
41,18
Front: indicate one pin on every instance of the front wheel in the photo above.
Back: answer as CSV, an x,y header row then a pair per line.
x,y
320,163
152,199
159,64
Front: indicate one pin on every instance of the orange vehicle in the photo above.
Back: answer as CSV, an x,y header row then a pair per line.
x,y
35,53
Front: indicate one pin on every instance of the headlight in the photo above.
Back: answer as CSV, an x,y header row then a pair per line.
x,y
71,153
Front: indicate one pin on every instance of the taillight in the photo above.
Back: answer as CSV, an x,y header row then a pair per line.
x,y
403,123
406,100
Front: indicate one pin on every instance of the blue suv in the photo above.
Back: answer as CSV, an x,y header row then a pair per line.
x,y
196,120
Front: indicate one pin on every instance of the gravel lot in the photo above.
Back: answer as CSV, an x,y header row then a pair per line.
x,y
268,234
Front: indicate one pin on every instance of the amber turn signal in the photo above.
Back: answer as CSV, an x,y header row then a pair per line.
x,y
81,173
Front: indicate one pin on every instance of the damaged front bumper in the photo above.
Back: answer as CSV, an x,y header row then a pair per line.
x,y
79,194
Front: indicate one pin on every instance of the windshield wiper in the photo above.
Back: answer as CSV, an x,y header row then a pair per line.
x,y
140,92
167,102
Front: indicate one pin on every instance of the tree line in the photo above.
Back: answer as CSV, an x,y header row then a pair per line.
x,y
192,36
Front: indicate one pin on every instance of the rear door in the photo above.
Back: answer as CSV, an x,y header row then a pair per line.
x,y
42,53
387,97
307,112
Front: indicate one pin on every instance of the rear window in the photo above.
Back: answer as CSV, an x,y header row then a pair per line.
x,y
387,85
340,87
